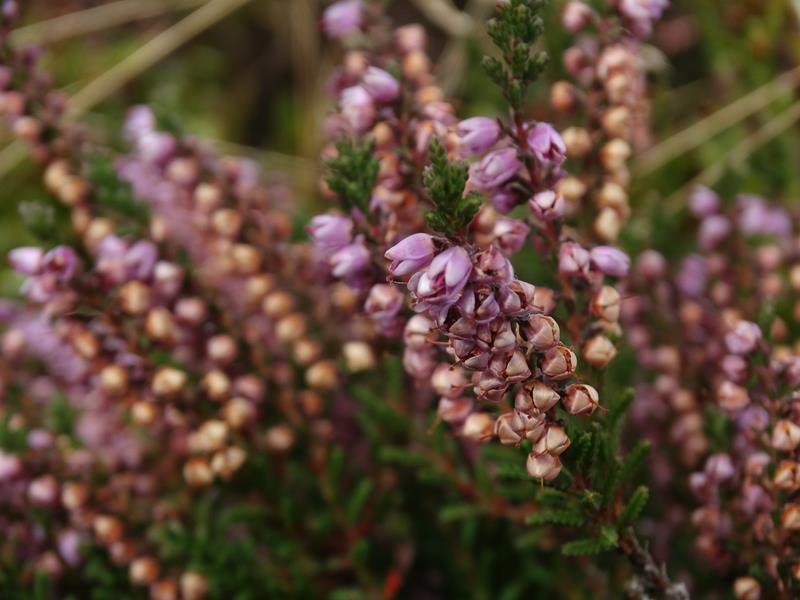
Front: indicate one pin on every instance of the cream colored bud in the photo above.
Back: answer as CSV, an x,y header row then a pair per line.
x,y
134,298
143,570
291,328
322,375
607,225
114,380
563,96
478,427
221,349
227,462
554,441
617,87
614,154
383,134
74,495
191,310
505,431
143,413
572,189
415,65
344,297
581,399
543,466
605,304
280,438
247,259
193,585
198,473
211,435
73,191
277,304
227,222
613,195
542,332
358,357
108,529
96,231
238,412
168,381
85,343
166,589
790,517
159,324
216,384
787,476
746,588
598,351
207,196
306,351
56,174
559,363
577,141
616,122
258,286
731,396
785,436
122,552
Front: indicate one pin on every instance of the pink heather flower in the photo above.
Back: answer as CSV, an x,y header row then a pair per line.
x,y
351,261
576,16
383,303
442,282
494,169
642,13
510,234
410,254
357,107
703,202
62,262
610,261
10,466
410,38
155,147
573,260
719,467
342,18
504,200
380,84
69,547
330,232
167,279
693,275
27,260
547,205
140,260
546,143
758,218
419,363
477,135
743,338
713,229
140,119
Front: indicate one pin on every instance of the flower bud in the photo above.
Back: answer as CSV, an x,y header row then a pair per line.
x,y
192,311
159,324
544,300
216,384
505,432
291,328
193,585
477,135
790,517
277,304
226,223
478,427
787,476
166,589
494,169
616,121
785,436
732,397
554,441
536,395
227,462
143,570
454,410
743,338
559,363
543,466
73,495
221,349
134,298
114,380
322,376
416,332
614,154
578,142
246,259
607,225
581,399
563,98
546,144
605,304
598,351
168,381
27,260
746,588
143,413
380,84
343,18
576,16
197,472
541,331
107,529
547,205
448,381
358,356
43,491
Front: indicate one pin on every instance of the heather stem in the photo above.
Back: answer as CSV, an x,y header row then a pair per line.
x,y
651,579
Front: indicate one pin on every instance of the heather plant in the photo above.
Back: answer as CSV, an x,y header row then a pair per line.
x,y
451,381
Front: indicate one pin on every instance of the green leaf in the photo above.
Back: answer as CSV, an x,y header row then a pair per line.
x,y
634,507
606,538
556,517
352,173
358,499
633,462
445,181
458,512
114,194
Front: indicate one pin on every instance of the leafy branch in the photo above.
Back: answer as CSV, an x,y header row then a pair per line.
x,y
444,181
352,173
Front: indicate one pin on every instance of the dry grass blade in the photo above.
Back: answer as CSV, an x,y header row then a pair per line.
x,y
95,19
738,155
697,133
443,14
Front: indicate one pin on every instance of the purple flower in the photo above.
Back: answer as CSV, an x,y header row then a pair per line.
x,y
703,202
342,18
573,260
330,232
504,200
713,229
642,13
10,466
380,84
610,261
546,143
758,218
494,169
27,260
357,107
743,338
351,261
62,262
383,304
693,275
441,284
477,135
140,119
155,147
576,16
547,205
69,547
410,254
510,234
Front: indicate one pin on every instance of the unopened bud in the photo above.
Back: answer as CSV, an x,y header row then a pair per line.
x,y
108,529
238,412
227,462
577,141
542,332
614,154
554,441
143,570
455,410
74,495
598,351
114,380
543,466
280,438
746,588
559,363
607,225
159,324
191,310
790,517
605,304
581,399
246,258
785,436
505,432
277,304
306,351
143,413
216,384
732,397
134,298
168,381
227,222
787,476
616,122
221,349
563,97
322,375
193,585
198,473
478,427
358,356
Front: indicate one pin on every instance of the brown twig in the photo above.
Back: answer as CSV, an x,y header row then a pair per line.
x,y
651,579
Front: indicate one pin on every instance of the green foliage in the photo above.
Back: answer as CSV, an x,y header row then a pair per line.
x,y
634,507
46,221
556,517
114,195
444,181
515,31
606,539
353,172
